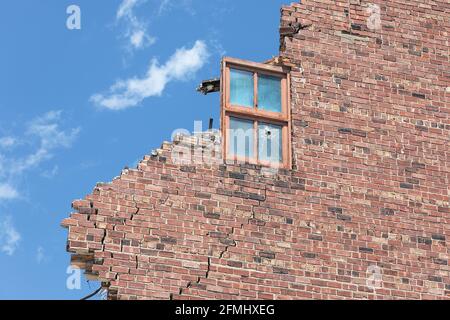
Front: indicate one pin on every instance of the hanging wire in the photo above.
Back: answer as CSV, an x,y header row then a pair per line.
x,y
92,294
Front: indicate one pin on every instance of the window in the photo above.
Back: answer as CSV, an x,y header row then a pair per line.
x,y
255,113
241,142
241,88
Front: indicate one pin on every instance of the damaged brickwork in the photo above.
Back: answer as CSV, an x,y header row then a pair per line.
x,y
369,188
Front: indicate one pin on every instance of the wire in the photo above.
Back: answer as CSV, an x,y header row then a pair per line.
x,y
92,294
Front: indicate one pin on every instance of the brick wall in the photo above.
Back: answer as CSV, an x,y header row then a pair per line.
x,y
368,195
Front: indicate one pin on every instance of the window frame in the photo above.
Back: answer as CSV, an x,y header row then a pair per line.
x,y
254,114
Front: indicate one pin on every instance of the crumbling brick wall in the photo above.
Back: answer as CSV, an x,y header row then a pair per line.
x,y
368,196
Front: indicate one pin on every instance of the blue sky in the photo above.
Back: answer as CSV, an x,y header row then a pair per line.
x,y
77,106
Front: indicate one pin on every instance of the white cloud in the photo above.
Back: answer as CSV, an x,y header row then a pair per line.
x,y
137,38
129,93
45,135
9,237
50,173
135,29
140,39
126,8
39,141
7,142
47,129
7,192
166,6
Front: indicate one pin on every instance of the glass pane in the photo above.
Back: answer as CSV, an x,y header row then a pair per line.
x,y
241,88
270,146
269,93
241,138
